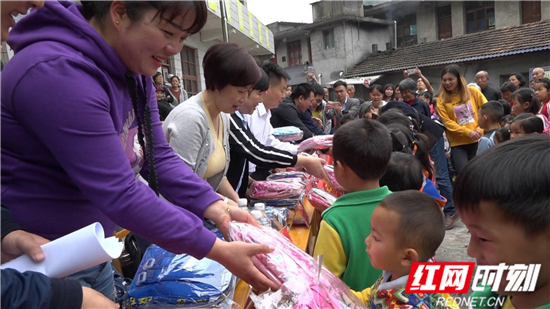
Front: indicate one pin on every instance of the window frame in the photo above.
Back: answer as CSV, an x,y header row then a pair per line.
x,y
190,54
485,7
292,48
329,33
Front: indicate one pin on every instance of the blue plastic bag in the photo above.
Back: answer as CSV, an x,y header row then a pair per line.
x,y
167,280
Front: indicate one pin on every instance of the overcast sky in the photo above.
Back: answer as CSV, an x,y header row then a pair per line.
x,y
269,11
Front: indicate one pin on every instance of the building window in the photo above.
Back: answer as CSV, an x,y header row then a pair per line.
x,y
166,70
374,48
190,70
444,22
480,15
530,11
294,53
328,38
406,31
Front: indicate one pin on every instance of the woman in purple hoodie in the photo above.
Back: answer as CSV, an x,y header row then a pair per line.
x,y
73,98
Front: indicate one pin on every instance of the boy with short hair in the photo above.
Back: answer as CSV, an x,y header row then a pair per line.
x,y
406,227
489,118
503,198
361,150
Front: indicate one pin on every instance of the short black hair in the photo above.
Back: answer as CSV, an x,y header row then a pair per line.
x,y
229,64
521,78
528,95
508,86
274,72
529,123
263,84
493,110
317,89
427,95
545,83
169,10
303,89
404,172
493,177
506,120
365,146
340,83
345,119
376,87
502,135
395,115
421,225
506,107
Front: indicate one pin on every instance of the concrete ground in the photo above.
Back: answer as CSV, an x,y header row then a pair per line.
x,y
454,248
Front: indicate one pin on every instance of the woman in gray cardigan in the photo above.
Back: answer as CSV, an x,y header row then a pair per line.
x,y
198,130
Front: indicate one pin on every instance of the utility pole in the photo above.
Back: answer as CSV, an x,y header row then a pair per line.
x,y
223,13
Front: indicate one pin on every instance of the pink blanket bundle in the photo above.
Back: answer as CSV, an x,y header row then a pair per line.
x,y
275,190
320,199
315,143
301,285
329,169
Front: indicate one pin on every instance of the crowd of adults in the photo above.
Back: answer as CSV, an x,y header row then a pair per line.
x,y
91,133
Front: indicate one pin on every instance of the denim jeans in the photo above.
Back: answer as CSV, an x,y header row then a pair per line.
x,y
437,153
99,278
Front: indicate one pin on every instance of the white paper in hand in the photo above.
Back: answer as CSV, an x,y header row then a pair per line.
x,y
71,253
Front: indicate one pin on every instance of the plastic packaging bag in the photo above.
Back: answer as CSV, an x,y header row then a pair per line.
x,y
278,217
320,199
288,134
303,284
167,280
289,175
316,143
329,170
275,190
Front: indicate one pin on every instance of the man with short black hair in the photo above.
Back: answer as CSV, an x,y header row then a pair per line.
x,y
288,112
345,105
259,122
490,93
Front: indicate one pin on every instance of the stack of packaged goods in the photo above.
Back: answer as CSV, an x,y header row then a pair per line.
x,y
316,143
303,282
288,134
320,199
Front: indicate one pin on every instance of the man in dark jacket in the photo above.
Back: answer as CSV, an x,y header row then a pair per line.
x,y
307,117
288,112
490,93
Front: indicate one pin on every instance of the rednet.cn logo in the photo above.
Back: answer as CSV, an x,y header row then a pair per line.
x,y
455,277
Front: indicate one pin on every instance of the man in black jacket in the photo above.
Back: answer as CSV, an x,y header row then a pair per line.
x,y
490,93
288,112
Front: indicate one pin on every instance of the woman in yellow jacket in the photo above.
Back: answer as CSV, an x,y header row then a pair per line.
x,y
458,106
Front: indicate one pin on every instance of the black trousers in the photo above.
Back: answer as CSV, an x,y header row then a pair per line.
x,y
462,154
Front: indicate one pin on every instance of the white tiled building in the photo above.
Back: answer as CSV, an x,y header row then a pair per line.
x,y
243,27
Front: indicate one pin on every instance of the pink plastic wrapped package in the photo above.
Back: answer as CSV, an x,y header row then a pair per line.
x,y
320,199
289,175
303,284
316,143
329,170
275,190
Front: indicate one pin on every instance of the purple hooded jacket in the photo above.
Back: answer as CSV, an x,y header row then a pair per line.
x,y
68,140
